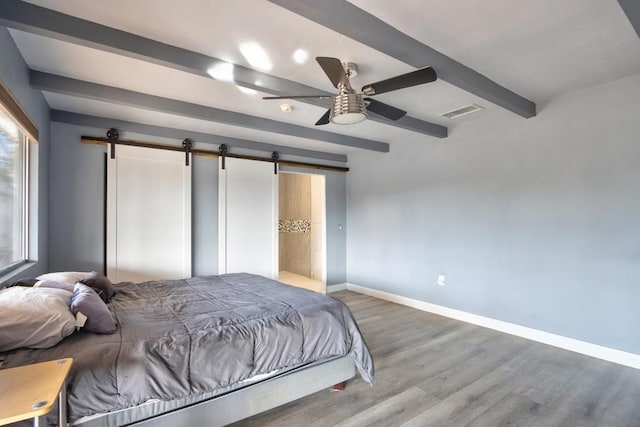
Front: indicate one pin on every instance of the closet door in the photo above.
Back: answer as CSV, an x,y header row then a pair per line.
x,y
248,238
148,215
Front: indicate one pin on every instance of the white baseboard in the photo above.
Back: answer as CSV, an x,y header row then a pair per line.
x,y
336,288
583,347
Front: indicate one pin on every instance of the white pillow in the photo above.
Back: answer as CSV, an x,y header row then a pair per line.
x,y
34,317
69,277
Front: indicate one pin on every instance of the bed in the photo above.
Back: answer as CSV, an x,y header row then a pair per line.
x,y
209,348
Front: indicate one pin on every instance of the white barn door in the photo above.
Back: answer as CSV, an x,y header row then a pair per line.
x,y
248,215
148,215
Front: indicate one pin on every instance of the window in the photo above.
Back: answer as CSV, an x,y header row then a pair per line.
x,y
14,190
17,131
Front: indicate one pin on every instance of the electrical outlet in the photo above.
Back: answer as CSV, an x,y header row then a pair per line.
x,y
441,280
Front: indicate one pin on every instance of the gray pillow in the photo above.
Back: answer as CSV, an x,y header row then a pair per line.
x,y
100,284
23,282
34,317
89,304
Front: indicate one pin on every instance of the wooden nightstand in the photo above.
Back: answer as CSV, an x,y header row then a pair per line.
x,y
30,392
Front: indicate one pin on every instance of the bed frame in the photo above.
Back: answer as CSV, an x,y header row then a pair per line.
x,y
241,403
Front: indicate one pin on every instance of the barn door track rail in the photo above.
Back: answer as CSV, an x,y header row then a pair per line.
x,y
113,139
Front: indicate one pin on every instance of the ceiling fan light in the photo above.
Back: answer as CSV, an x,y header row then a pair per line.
x,y
348,109
348,118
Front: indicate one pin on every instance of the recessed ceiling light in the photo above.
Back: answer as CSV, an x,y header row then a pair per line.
x,y
246,90
222,71
300,56
256,56
286,108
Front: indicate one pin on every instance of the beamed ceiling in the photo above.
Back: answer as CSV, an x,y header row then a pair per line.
x,y
143,64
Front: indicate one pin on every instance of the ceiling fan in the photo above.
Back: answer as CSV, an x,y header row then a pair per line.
x,y
350,107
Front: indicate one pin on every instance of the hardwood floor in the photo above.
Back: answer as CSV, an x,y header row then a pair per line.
x,y
435,371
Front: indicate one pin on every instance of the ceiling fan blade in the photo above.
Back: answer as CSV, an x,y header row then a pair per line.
x,y
384,110
414,78
298,97
324,119
332,67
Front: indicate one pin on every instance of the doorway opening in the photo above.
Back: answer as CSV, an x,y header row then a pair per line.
x,y
301,230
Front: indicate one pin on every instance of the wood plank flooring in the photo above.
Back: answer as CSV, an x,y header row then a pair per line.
x,y
435,371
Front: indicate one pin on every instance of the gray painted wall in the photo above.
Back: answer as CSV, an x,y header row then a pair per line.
x,y
534,222
76,186
15,75
77,206
204,212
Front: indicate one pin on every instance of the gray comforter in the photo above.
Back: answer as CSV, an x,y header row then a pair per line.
x,y
186,337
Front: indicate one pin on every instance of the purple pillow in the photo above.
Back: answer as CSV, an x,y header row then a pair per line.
x,y
23,282
54,285
100,284
87,302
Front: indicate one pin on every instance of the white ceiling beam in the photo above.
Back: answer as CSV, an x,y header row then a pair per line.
x,y
357,24
49,23
632,10
67,86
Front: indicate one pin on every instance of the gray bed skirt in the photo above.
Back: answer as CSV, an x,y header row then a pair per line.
x,y
229,407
